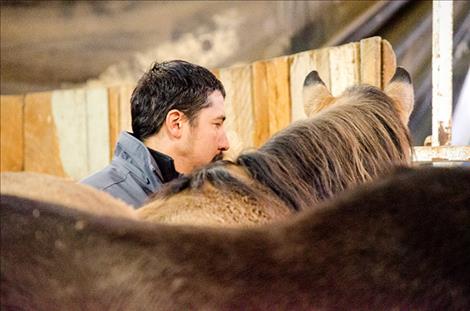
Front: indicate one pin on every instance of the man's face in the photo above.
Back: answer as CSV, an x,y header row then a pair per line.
x,y
206,139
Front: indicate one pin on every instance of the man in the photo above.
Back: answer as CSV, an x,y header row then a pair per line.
x,y
177,111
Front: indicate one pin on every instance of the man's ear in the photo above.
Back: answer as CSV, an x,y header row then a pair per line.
x,y
174,122
315,94
400,89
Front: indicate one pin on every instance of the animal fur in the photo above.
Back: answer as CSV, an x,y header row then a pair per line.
x,y
347,141
400,243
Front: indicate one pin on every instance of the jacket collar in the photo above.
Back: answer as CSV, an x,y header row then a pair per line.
x,y
138,160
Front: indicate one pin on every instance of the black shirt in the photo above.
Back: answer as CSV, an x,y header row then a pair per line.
x,y
165,164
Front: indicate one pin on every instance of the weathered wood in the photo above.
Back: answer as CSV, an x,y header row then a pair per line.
x,y
322,64
125,120
11,129
41,147
216,72
371,61
114,121
97,130
238,107
260,103
441,154
301,65
389,62
67,132
277,71
442,73
344,67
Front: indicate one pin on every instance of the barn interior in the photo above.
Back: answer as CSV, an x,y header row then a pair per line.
x,y
47,45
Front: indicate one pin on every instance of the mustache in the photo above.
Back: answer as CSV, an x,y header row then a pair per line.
x,y
218,157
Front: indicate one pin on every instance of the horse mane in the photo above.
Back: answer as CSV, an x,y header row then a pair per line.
x,y
309,161
343,145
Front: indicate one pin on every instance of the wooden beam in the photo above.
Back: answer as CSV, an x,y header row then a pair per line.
x,y
239,124
344,67
441,72
11,133
371,61
441,154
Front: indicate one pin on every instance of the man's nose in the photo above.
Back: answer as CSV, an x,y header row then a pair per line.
x,y
224,144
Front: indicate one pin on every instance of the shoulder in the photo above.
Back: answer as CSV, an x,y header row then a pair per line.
x,y
105,178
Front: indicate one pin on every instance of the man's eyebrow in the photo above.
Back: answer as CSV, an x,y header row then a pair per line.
x,y
221,117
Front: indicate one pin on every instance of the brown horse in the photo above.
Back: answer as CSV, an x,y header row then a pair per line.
x,y
58,190
346,141
400,243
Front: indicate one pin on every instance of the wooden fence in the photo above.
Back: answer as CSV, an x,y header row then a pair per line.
x,y
73,132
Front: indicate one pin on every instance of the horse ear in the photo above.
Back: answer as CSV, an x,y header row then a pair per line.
x,y
400,89
315,94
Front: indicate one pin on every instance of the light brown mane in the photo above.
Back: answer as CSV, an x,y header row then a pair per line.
x,y
356,139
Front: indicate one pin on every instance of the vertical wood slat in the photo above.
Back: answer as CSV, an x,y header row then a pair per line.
x,y
239,124
125,121
114,120
389,62
371,62
11,133
344,67
97,121
441,72
301,65
67,132
277,70
41,148
260,103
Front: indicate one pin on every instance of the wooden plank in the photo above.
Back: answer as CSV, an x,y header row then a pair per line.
x,y
97,119
441,154
114,120
389,62
238,107
125,120
11,133
322,65
301,65
41,147
69,111
277,70
442,72
371,61
260,103
344,67
216,72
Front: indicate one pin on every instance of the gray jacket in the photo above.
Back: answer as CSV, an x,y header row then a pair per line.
x,y
132,175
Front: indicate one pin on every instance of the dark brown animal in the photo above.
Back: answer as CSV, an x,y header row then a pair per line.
x,y
401,243
347,141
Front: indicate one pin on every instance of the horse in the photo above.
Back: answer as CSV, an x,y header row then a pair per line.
x,y
58,190
346,141
399,242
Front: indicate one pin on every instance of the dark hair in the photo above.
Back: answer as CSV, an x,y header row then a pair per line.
x,y
170,85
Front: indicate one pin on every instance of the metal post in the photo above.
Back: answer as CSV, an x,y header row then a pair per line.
x,y
441,72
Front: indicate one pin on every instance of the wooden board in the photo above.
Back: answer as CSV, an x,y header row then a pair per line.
x,y
260,103
278,72
389,62
67,132
97,130
11,133
301,65
344,67
125,120
371,61
41,148
239,124
271,97
114,120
